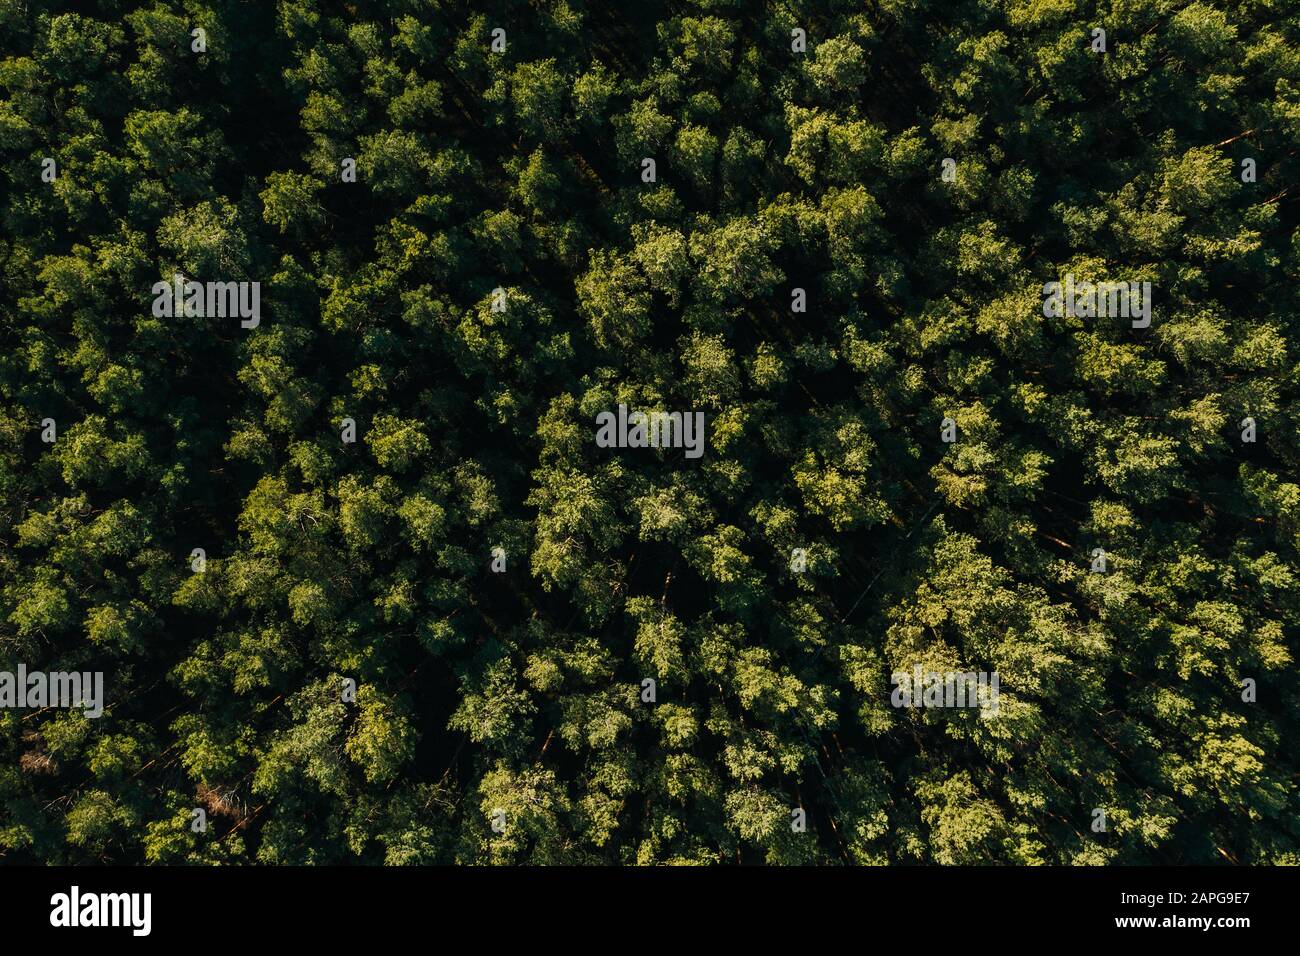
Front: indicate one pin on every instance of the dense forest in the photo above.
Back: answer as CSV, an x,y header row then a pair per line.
x,y
309,312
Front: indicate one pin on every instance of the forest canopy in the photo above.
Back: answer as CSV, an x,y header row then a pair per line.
x,y
327,329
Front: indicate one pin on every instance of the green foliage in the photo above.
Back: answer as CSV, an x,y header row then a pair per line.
x,y
506,717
